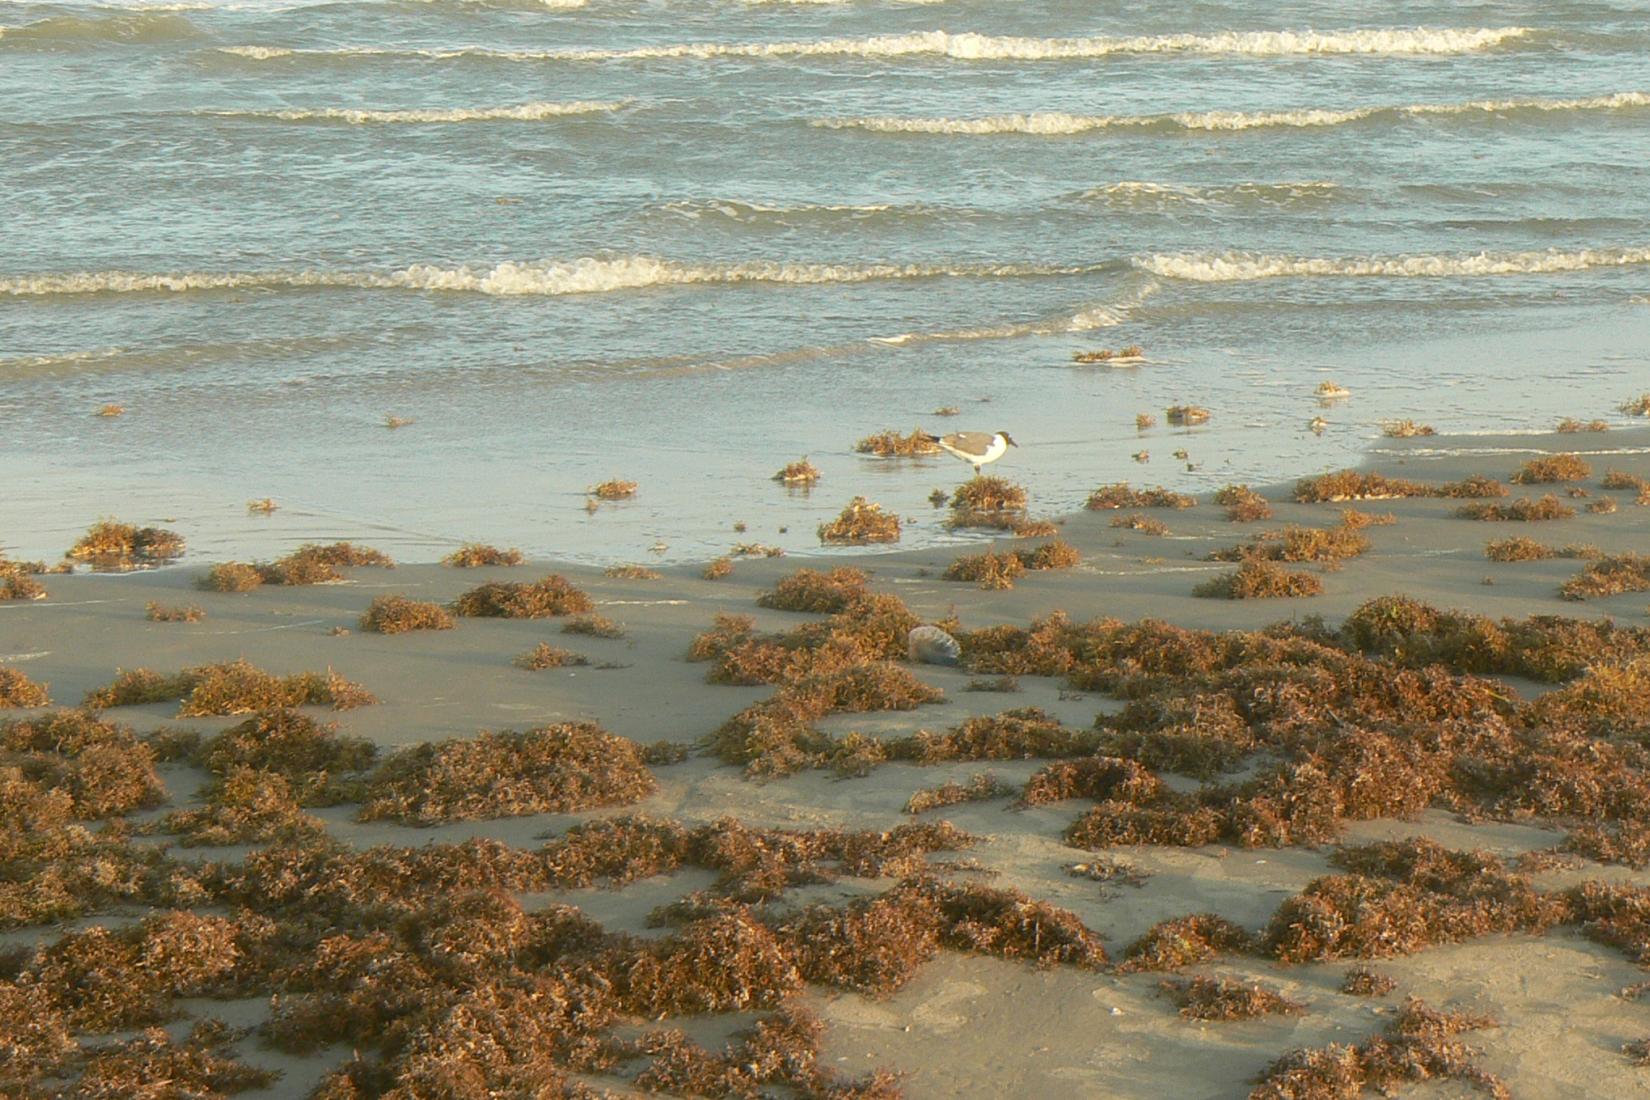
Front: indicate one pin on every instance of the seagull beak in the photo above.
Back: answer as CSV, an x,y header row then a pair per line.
x,y
1009,440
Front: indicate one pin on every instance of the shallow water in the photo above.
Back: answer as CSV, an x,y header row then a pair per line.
x,y
685,243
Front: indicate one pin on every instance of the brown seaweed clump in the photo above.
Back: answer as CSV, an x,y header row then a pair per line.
x,y
1186,415
593,626
1344,485
399,614
631,573
17,690
544,655
553,769
990,569
1243,504
320,765
232,576
156,613
1405,429
1524,509
1521,548
1300,544
553,595
986,501
1224,999
861,522
1552,468
800,472
614,489
1419,1044
233,687
718,568
890,444
16,582
1139,521
246,806
1570,424
1637,406
981,787
1119,495
1183,941
816,591
1361,981
1609,576
1106,355
473,555
1256,579
110,544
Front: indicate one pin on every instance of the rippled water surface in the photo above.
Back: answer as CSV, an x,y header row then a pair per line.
x,y
685,242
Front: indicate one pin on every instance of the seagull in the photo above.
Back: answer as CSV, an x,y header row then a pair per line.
x,y
975,448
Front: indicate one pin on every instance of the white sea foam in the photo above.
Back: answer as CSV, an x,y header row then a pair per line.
x,y
257,53
525,112
1052,124
582,276
1088,319
1244,267
971,46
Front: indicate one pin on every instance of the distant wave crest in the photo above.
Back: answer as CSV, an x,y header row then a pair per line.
x,y
972,46
1231,267
1055,123
583,276
524,112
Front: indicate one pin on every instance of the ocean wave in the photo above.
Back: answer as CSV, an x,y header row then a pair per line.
x,y
1086,319
525,112
1055,124
582,276
1146,194
139,25
971,46
1245,267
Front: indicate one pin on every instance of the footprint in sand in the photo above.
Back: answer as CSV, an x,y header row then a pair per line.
x,y
941,1013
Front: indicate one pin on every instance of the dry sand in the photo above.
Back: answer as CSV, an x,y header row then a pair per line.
x,y
967,1026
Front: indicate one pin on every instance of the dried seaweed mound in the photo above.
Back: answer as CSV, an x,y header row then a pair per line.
x,y
1609,576
1183,941
473,555
541,599
986,501
1257,579
1120,495
314,758
234,687
1225,999
1552,468
17,690
398,615
861,522
816,590
891,444
552,769
110,544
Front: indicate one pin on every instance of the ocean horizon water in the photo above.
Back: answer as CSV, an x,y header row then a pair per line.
x,y
687,243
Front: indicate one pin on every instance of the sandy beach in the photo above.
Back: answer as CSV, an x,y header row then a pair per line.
x,y
981,1022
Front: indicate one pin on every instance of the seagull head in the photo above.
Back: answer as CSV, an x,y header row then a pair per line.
x,y
1006,438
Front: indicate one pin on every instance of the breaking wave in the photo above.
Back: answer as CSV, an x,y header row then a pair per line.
x,y
1147,195
140,25
525,112
583,276
971,46
1244,267
1051,124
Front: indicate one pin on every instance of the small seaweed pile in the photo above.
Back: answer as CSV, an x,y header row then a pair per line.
x,y
473,555
16,581
1405,429
1120,495
1552,468
17,690
1299,544
1346,485
552,769
891,444
801,472
309,564
111,545
1211,999
1521,548
541,599
399,614
862,521
233,687
997,571
1522,510
1243,504
1609,576
1570,424
614,489
984,501
1419,1044
1259,579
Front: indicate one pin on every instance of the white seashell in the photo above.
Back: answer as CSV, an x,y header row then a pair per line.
x,y
929,645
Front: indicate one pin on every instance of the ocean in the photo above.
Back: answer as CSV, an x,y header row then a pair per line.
x,y
686,242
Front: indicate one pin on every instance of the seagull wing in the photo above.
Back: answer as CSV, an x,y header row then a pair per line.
x,y
974,443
